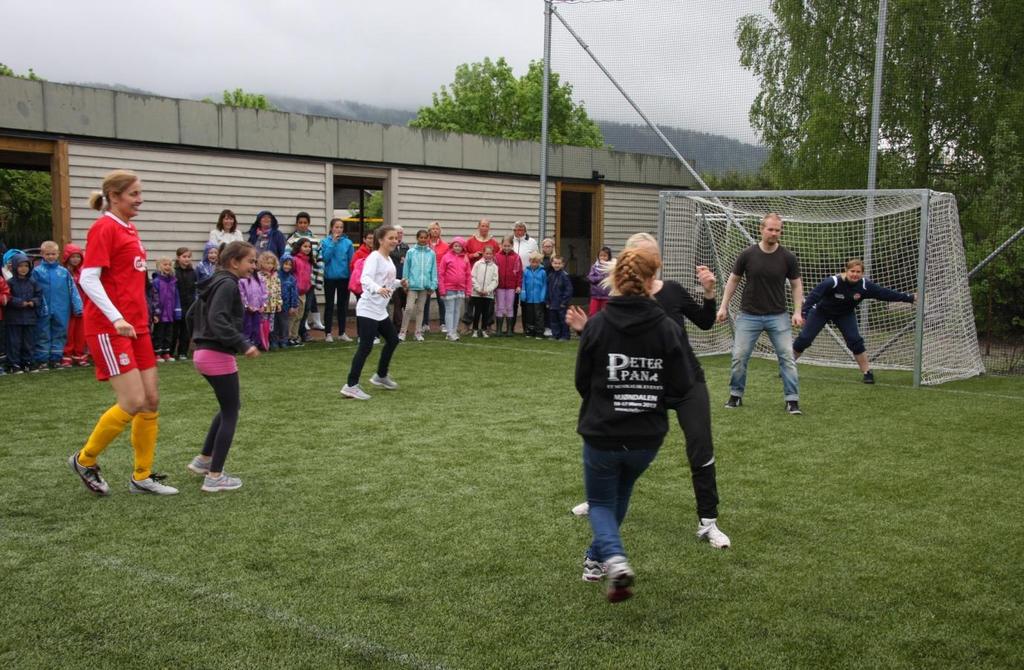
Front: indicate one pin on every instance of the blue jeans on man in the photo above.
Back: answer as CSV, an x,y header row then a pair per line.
x,y
609,476
748,327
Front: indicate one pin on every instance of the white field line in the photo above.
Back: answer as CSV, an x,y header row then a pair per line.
x,y
366,648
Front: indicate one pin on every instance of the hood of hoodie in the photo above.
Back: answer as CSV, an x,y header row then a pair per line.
x,y
206,251
633,314
69,251
9,255
259,215
216,279
286,256
461,241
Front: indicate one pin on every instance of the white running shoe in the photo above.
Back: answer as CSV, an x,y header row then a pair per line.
x,y
593,571
384,382
328,338
620,579
583,509
483,334
225,482
401,337
344,338
354,392
419,337
151,485
444,329
708,530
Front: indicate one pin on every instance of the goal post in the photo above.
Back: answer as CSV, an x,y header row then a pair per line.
x,y
912,237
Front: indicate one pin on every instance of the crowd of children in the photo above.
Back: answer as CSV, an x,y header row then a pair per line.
x,y
41,304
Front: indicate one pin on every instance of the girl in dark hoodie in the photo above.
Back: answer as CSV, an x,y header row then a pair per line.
x,y
217,333
264,235
630,359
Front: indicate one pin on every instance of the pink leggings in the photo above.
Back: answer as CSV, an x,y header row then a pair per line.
x,y
503,300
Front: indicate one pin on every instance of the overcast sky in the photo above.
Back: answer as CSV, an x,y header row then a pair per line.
x,y
678,58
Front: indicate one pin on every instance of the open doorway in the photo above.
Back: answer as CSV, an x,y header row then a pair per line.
x,y
34,199
359,202
579,230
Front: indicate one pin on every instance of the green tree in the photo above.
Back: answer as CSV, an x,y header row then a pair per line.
x,y
486,98
8,72
374,205
25,208
240,98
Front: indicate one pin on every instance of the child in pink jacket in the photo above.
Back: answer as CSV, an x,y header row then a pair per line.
x,y
454,283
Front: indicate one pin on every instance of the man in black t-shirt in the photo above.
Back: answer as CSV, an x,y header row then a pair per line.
x,y
766,266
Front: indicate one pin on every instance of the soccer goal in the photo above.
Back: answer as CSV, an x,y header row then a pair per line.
x,y
909,241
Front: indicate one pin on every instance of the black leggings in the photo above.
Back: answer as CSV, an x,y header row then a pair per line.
x,y
693,411
368,329
335,295
222,428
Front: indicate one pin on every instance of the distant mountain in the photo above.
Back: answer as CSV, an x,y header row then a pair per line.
x,y
708,152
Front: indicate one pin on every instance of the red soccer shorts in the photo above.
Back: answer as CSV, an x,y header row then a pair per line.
x,y
115,354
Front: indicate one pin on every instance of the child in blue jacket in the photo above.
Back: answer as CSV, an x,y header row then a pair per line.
x,y
62,301
534,296
289,301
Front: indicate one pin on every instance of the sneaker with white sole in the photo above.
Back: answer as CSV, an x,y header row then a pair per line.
x,y
733,402
151,485
708,530
793,407
384,382
90,476
401,337
620,579
328,338
225,482
354,392
199,466
419,337
344,338
593,571
583,509
444,329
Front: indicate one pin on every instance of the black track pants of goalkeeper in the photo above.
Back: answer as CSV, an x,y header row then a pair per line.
x,y
693,411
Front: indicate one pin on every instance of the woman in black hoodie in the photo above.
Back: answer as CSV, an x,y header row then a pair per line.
x,y
630,359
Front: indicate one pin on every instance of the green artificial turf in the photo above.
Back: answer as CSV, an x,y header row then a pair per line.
x,y
430,526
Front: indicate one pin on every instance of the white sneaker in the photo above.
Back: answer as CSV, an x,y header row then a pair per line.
x,y
483,334
593,571
376,340
476,334
150,485
199,466
708,530
354,392
547,332
401,337
384,382
225,482
583,509
620,579
444,329
328,338
344,338
419,337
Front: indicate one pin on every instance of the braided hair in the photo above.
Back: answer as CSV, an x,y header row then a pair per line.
x,y
633,270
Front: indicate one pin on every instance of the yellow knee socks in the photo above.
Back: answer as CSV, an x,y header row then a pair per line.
x,y
144,431
110,425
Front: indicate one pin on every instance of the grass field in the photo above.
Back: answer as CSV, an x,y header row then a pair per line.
x,y
429,527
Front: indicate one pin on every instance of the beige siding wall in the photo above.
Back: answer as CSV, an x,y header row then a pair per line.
x,y
459,201
628,210
185,191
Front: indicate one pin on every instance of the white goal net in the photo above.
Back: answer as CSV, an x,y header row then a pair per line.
x,y
909,240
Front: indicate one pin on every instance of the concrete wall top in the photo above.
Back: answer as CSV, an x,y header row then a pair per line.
x,y
62,109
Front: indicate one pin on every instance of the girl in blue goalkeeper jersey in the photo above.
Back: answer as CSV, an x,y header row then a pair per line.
x,y
835,301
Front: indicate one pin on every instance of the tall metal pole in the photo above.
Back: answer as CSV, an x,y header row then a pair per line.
x,y
922,273
876,105
542,210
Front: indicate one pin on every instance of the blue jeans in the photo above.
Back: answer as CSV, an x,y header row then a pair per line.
x,y
748,328
609,477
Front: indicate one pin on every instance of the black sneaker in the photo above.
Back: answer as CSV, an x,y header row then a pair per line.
x,y
869,377
793,407
91,477
733,402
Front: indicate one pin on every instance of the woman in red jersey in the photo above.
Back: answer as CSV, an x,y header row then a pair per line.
x,y
117,331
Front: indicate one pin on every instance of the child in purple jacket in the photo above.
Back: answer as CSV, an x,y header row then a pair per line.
x,y
165,289
254,301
